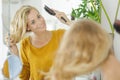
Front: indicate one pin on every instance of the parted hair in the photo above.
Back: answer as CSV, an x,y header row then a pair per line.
x,y
19,23
84,47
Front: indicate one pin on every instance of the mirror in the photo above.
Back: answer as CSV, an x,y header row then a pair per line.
x,y
12,66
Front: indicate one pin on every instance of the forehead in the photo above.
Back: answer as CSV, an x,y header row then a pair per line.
x,y
32,14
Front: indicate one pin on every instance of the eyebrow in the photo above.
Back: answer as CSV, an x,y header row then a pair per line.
x,y
33,19
38,14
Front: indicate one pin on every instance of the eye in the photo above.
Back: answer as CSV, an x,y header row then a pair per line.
x,y
33,22
39,16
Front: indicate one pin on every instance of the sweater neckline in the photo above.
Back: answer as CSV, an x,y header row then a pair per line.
x,y
41,46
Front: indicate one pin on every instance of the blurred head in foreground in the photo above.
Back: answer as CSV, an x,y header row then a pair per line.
x,y
83,49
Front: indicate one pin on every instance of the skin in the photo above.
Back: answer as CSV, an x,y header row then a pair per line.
x,y
110,72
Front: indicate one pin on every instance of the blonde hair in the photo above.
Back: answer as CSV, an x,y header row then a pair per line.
x,y
83,48
19,23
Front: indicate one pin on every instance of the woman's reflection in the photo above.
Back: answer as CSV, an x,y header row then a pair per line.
x,y
37,51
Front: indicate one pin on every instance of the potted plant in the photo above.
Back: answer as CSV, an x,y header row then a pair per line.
x,y
87,9
92,9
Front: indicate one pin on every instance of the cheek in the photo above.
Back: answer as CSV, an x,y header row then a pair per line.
x,y
42,19
30,28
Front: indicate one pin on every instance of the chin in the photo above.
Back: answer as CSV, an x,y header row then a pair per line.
x,y
44,28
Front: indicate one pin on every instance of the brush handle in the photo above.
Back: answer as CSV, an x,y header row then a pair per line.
x,y
63,19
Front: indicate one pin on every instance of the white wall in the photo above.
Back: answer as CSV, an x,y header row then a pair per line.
x,y
111,6
1,32
2,55
0,39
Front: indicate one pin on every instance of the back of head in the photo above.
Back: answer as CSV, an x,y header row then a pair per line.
x,y
19,22
83,48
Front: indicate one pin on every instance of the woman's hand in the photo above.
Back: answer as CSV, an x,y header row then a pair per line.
x,y
12,45
62,17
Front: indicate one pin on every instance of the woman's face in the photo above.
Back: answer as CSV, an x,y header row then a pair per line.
x,y
36,22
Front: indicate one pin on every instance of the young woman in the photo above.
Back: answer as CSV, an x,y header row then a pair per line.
x,y
84,48
37,51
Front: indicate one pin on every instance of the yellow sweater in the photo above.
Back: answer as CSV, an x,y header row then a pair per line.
x,y
38,59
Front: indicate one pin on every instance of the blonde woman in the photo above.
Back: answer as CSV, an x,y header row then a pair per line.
x,y
36,51
84,48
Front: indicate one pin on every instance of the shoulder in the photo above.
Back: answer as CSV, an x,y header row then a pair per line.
x,y
59,31
24,41
58,34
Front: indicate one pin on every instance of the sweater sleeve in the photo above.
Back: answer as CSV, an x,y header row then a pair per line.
x,y
25,73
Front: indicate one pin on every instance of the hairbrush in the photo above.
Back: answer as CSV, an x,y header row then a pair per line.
x,y
51,12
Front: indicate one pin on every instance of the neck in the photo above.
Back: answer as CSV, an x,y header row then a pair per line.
x,y
110,68
41,36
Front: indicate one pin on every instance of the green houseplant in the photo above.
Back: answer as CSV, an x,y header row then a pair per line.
x,y
92,9
87,9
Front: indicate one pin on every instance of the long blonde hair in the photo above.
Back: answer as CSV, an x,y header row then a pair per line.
x,y
83,48
19,23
